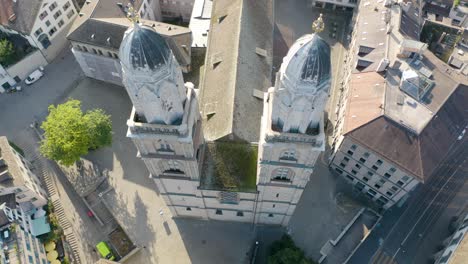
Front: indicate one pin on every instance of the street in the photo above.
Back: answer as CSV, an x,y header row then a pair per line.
x,y
403,241
18,110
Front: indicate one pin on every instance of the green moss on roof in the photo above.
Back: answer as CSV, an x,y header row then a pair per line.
x,y
230,166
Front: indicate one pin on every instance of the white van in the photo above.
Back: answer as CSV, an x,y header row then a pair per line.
x,y
34,76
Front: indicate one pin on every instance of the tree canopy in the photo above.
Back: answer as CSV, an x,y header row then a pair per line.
x,y
284,251
7,52
70,133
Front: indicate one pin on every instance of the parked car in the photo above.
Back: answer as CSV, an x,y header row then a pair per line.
x,y
105,251
34,76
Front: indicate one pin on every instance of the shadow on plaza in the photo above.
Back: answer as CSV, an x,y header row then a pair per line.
x,y
210,241
136,222
121,155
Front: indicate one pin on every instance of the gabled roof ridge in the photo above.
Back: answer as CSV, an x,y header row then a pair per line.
x,y
238,60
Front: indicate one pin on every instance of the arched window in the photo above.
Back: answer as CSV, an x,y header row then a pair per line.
x,y
174,167
282,174
289,154
44,39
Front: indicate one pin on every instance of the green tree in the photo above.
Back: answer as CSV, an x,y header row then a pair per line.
x,y
100,128
7,52
284,251
70,134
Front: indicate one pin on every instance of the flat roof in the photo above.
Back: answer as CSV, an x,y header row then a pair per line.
x,y
200,22
229,166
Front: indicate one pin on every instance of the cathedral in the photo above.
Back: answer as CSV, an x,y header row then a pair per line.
x,y
226,178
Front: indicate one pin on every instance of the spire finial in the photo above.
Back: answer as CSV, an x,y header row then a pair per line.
x,y
318,25
132,15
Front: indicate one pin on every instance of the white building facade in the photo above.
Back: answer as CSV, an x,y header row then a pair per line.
x,y
6,81
165,125
292,135
26,206
43,25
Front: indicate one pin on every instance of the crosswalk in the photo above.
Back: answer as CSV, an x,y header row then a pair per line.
x,y
42,171
381,257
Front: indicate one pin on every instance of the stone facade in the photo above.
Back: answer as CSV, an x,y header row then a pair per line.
x,y
382,181
292,135
165,126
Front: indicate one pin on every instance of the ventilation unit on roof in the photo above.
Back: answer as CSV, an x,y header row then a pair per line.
x,y
400,99
12,18
221,18
216,59
389,29
425,72
383,65
261,52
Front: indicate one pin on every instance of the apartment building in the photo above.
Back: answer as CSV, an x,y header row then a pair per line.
x,y
449,12
42,23
6,81
21,196
455,246
400,111
19,246
98,31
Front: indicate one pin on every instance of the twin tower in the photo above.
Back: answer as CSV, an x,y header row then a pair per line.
x,y
226,180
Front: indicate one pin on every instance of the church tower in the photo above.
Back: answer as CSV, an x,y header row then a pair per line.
x,y
165,123
292,131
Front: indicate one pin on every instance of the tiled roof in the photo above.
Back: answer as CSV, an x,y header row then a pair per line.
x,y
233,69
24,11
102,23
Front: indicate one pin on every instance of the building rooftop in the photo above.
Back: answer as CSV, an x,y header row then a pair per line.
x,y
19,15
15,174
200,22
371,33
9,200
40,226
229,166
237,66
103,23
439,7
410,113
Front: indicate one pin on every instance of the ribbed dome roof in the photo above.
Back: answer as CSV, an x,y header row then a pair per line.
x,y
143,49
308,60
